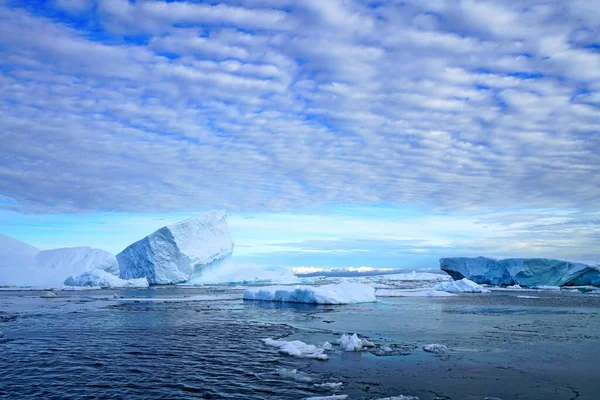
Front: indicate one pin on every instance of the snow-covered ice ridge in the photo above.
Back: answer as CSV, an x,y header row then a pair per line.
x,y
343,293
527,272
175,252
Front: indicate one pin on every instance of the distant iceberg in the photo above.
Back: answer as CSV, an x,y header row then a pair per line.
x,y
174,253
526,272
343,293
462,286
103,279
25,265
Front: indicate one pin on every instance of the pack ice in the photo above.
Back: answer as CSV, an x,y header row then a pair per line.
x,y
173,253
526,272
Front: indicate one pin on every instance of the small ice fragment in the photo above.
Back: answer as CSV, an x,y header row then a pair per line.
x,y
401,397
327,346
528,297
48,295
297,348
462,286
435,348
333,397
293,374
353,342
343,293
387,349
330,385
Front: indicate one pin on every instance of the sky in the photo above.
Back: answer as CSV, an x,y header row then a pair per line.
x,y
334,133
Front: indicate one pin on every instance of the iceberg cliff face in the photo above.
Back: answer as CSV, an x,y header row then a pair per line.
x,y
173,253
76,260
521,271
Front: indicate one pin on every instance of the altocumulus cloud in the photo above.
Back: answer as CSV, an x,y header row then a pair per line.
x,y
273,105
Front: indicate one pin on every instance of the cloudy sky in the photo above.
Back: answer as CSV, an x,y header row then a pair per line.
x,y
335,133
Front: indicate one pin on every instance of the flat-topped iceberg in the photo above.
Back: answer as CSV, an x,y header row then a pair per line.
x,y
103,279
175,252
343,293
525,272
462,286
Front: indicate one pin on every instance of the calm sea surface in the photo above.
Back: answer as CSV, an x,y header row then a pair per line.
x,y
205,343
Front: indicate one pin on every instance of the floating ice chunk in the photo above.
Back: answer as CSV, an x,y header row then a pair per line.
x,y
103,279
185,299
401,397
332,397
327,346
435,348
546,287
230,272
48,295
297,348
330,385
353,343
412,293
462,286
343,293
514,287
293,374
528,297
387,349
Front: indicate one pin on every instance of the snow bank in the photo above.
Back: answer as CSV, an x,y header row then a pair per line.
x,y
103,279
463,286
297,348
343,293
231,272
412,293
353,343
173,253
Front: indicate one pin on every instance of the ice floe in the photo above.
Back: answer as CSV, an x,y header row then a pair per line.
x,y
343,293
435,348
332,397
330,385
294,375
297,348
412,293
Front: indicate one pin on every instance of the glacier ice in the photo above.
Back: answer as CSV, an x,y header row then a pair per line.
x,y
230,272
104,279
526,272
343,293
297,348
25,265
174,253
461,286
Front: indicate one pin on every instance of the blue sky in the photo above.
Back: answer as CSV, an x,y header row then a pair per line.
x,y
335,133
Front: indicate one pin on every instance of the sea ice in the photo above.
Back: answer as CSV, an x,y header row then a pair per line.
x,y
175,252
528,297
103,279
293,374
343,293
353,343
297,348
330,385
332,397
48,295
462,286
401,397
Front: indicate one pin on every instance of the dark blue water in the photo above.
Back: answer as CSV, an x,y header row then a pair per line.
x,y
88,345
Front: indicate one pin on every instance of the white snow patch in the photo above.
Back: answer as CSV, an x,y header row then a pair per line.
x,y
462,286
353,343
343,293
103,279
412,293
297,348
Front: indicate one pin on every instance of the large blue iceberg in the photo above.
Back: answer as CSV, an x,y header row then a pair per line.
x,y
526,272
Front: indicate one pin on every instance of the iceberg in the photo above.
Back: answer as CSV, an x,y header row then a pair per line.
x,y
104,279
174,253
526,272
343,293
353,343
230,272
25,265
462,286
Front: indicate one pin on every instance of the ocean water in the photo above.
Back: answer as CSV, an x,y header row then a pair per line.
x,y
206,343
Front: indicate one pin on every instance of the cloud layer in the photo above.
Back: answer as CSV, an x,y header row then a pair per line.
x,y
113,105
